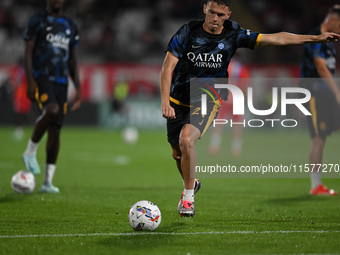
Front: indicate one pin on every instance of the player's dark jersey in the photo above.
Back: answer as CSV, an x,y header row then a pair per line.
x,y
53,37
205,55
317,50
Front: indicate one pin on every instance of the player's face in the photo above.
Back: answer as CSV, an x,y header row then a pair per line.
x,y
334,24
55,6
215,15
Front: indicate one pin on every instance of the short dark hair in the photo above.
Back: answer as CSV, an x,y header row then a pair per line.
x,y
335,9
221,2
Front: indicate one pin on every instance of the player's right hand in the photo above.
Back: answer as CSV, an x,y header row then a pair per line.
x,y
30,92
329,37
168,112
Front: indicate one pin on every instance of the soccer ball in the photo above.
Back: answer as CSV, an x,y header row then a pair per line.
x,y
130,135
144,215
23,182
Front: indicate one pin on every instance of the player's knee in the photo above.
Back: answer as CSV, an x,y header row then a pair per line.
x,y
176,155
318,141
185,144
52,111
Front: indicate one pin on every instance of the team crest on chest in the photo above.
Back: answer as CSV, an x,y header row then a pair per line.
x,y
220,46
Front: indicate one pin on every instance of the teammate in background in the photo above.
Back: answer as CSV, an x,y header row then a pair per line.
x,y
203,49
238,73
50,56
319,62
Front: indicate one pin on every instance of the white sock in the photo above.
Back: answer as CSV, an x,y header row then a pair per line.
x,y
49,173
188,195
31,148
315,178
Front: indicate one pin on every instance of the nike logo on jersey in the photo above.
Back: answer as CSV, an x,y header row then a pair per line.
x,y
196,46
49,28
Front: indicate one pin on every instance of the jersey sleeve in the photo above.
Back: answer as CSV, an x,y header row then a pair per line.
x,y
316,50
178,43
247,39
32,28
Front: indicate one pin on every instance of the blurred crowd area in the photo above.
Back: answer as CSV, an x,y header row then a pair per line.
x,y
138,30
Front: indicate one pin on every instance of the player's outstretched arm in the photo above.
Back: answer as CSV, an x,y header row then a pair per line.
x,y
74,73
168,67
284,38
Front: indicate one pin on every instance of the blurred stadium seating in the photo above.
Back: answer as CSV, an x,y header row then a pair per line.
x,y
128,38
141,29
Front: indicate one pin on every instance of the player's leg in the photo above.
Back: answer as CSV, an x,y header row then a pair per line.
x,y
320,125
53,141
187,140
315,157
174,130
49,114
52,150
177,155
236,146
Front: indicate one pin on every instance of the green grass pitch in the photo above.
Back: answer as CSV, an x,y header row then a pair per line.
x,y
100,177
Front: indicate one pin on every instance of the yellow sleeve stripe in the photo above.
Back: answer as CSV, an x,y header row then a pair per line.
x,y
175,101
172,54
258,40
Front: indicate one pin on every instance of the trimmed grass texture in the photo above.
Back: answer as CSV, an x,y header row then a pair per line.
x,y
100,177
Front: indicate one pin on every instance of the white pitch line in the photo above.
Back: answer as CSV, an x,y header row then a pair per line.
x,y
172,233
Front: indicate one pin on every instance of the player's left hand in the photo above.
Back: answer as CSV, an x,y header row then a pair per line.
x,y
329,37
77,102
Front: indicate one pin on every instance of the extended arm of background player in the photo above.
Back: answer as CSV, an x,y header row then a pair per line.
x,y
283,38
168,67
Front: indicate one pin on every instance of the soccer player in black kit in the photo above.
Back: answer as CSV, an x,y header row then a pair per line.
x,y
51,39
203,49
319,63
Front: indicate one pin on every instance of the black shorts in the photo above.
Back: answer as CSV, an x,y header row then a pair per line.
x,y
53,93
190,115
325,116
